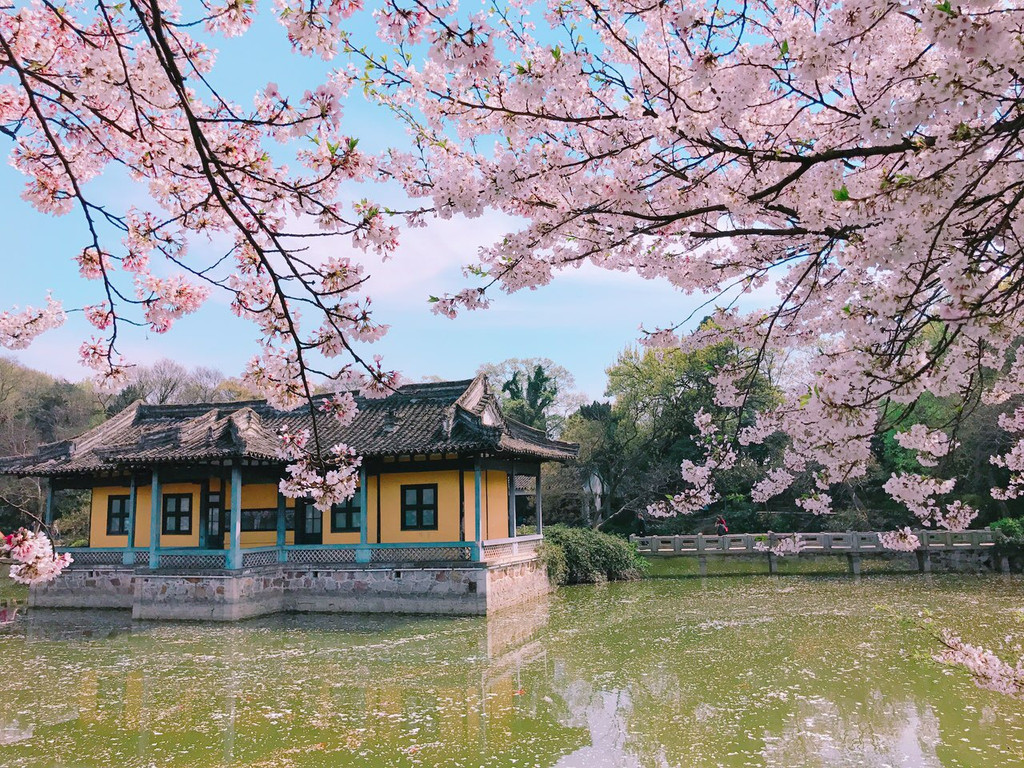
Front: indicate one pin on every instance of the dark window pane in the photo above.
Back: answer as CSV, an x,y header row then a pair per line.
x,y
185,524
185,504
410,518
172,524
428,496
428,518
410,495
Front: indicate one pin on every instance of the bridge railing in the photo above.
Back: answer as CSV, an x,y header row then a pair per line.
x,y
850,542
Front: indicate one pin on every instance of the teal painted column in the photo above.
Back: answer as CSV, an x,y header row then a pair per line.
x,y
478,531
129,555
282,556
155,501
512,500
48,511
235,552
539,504
363,552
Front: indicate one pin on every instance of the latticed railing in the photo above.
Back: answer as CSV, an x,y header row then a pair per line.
x,y
418,554
509,549
85,558
493,552
530,545
207,559
197,561
258,557
321,556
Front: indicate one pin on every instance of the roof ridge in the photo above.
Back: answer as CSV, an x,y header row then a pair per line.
x,y
430,418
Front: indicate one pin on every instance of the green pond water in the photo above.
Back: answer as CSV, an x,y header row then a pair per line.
x,y
802,670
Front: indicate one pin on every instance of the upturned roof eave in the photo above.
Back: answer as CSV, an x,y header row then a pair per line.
x,y
465,419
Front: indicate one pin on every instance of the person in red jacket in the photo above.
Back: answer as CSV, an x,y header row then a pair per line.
x,y
720,527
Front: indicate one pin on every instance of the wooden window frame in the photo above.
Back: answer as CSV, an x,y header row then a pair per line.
x,y
110,514
309,512
351,510
178,514
222,513
418,507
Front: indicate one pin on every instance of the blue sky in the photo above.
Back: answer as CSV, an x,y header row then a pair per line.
x,y
581,321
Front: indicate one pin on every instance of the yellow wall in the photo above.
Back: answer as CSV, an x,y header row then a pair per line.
x,y
494,510
252,539
98,518
98,523
261,496
391,507
469,489
495,501
257,496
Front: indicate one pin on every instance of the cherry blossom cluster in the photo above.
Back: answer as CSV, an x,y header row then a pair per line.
x,y
989,671
35,560
902,540
700,493
87,87
930,444
1013,460
325,480
918,493
782,546
862,160
19,329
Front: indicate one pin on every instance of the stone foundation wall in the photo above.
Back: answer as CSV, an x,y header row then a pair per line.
x,y
219,597
107,587
514,583
452,591
473,590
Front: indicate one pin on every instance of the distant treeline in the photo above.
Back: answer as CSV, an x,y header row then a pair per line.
x,y
36,408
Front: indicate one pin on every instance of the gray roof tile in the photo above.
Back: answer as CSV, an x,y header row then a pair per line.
x,y
445,417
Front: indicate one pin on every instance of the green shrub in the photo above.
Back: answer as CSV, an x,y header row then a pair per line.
x,y
591,556
1012,528
553,557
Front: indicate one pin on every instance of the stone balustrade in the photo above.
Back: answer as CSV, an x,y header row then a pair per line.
x,y
852,544
810,543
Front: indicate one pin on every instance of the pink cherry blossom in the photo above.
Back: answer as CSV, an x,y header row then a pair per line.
x,y
902,540
19,329
35,560
988,670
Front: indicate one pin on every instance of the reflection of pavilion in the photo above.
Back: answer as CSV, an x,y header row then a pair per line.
x,y
296,691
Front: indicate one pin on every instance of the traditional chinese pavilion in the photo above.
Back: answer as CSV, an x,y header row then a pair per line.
x,y
187,520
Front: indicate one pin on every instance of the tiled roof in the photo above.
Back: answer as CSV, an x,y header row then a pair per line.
x,y
445,417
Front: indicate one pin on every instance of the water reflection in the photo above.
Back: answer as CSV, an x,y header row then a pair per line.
x,y
738,672
605,716
818,734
